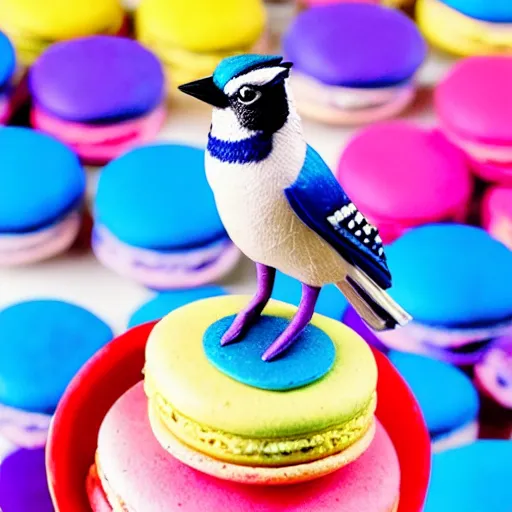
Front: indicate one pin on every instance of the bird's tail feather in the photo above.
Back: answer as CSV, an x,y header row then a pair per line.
x,y
371,302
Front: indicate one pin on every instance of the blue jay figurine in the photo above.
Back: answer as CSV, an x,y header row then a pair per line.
x,y
281,204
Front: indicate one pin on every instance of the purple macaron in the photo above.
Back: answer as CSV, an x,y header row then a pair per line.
x,y
99,94
23,483
354,63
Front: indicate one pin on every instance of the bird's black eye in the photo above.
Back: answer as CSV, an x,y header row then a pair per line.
x,y
248,95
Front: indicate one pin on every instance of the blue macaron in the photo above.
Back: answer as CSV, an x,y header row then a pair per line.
x,y
331,301
473,478
447,397
40,180
452,275
498,11
44,343
7,60
42,186
166,302
156,220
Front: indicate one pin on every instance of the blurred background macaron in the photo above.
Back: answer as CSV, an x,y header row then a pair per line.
x,y
156,220
350,66
452,279
191,36
331,302
497,214
467,27
164,303
33,26
44,343
472,478
390,3
493,373
23,484
7,68
447,398
474,109
101,95
42,186
401,175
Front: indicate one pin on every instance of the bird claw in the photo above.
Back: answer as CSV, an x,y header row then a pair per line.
x,y
239,326
284,341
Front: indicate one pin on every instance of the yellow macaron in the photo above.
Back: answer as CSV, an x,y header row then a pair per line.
x,y
191,36
33,25
459,34
195,405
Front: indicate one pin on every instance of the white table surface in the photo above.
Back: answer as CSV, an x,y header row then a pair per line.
x,y
79,278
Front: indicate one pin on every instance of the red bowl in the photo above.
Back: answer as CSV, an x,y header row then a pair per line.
x,y
118,366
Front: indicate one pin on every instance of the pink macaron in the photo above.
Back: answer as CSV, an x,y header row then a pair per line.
x,y
497,214
401,176
136,473
474,109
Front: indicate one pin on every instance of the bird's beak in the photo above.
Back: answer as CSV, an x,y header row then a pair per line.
x,y
206,90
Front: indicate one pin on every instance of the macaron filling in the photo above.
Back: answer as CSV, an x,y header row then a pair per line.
x,y
97,477
165,267
274,452
101,141
350,98
41,242
24,429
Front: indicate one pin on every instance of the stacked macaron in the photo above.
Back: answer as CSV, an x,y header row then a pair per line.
x,y
191,50
467,27
101,95
350,63
44,343
7,66
474,110
307,418
156,220
451,278
33,26
133,469
401,175
42,186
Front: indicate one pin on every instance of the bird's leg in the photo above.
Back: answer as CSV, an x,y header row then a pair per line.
x,y
250,314
298,323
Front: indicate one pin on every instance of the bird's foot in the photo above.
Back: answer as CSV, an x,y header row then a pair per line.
x,y
297,325
241,324
284,341
250,315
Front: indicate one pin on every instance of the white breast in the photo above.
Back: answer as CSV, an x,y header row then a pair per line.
x,y
253,207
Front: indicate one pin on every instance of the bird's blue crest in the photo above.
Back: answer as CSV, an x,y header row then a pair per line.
x,y
231,67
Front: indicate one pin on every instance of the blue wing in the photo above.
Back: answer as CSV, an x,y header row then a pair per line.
x,y
320,202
